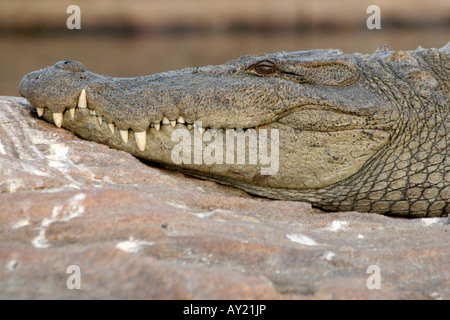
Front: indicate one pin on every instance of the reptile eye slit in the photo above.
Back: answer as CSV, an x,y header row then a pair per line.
x,y
263,68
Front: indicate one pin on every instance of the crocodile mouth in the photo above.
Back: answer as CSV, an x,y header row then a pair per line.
x,y
310,146
165,124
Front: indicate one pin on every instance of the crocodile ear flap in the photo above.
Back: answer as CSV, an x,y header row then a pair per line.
x,y
329,72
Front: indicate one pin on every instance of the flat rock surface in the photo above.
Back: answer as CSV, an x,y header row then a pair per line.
x,y
136,231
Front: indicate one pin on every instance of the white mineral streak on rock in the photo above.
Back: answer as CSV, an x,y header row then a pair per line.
x,y
337,225
431,221
72,208
329,255
21,223
132,245
302,239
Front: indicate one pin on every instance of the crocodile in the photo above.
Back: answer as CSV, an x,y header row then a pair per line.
x,y
351,132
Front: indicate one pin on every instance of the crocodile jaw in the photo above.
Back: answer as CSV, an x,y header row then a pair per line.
x,y
311,160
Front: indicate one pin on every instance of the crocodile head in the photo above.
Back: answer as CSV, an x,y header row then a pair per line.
x,y
330,121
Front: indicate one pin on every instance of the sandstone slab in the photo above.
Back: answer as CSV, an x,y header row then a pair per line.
x,y
141,232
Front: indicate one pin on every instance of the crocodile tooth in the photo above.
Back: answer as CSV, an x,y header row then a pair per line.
x,y
181,120
173,122
93,113
140,139
124,135
157,126
72,112
165,120
100,120
40,111
111,127
57,118
82,103
189,126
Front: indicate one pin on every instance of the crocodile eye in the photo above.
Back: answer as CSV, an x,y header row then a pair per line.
x,y
38,77
265,69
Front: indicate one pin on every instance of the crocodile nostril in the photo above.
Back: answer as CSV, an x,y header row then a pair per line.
x,y
70,65
38,77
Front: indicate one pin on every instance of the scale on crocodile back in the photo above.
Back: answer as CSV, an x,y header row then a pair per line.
x,y
353,132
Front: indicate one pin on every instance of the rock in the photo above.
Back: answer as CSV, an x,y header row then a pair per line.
x,y
140,232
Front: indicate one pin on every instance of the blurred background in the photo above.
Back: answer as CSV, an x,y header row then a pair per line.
x,y
125,38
